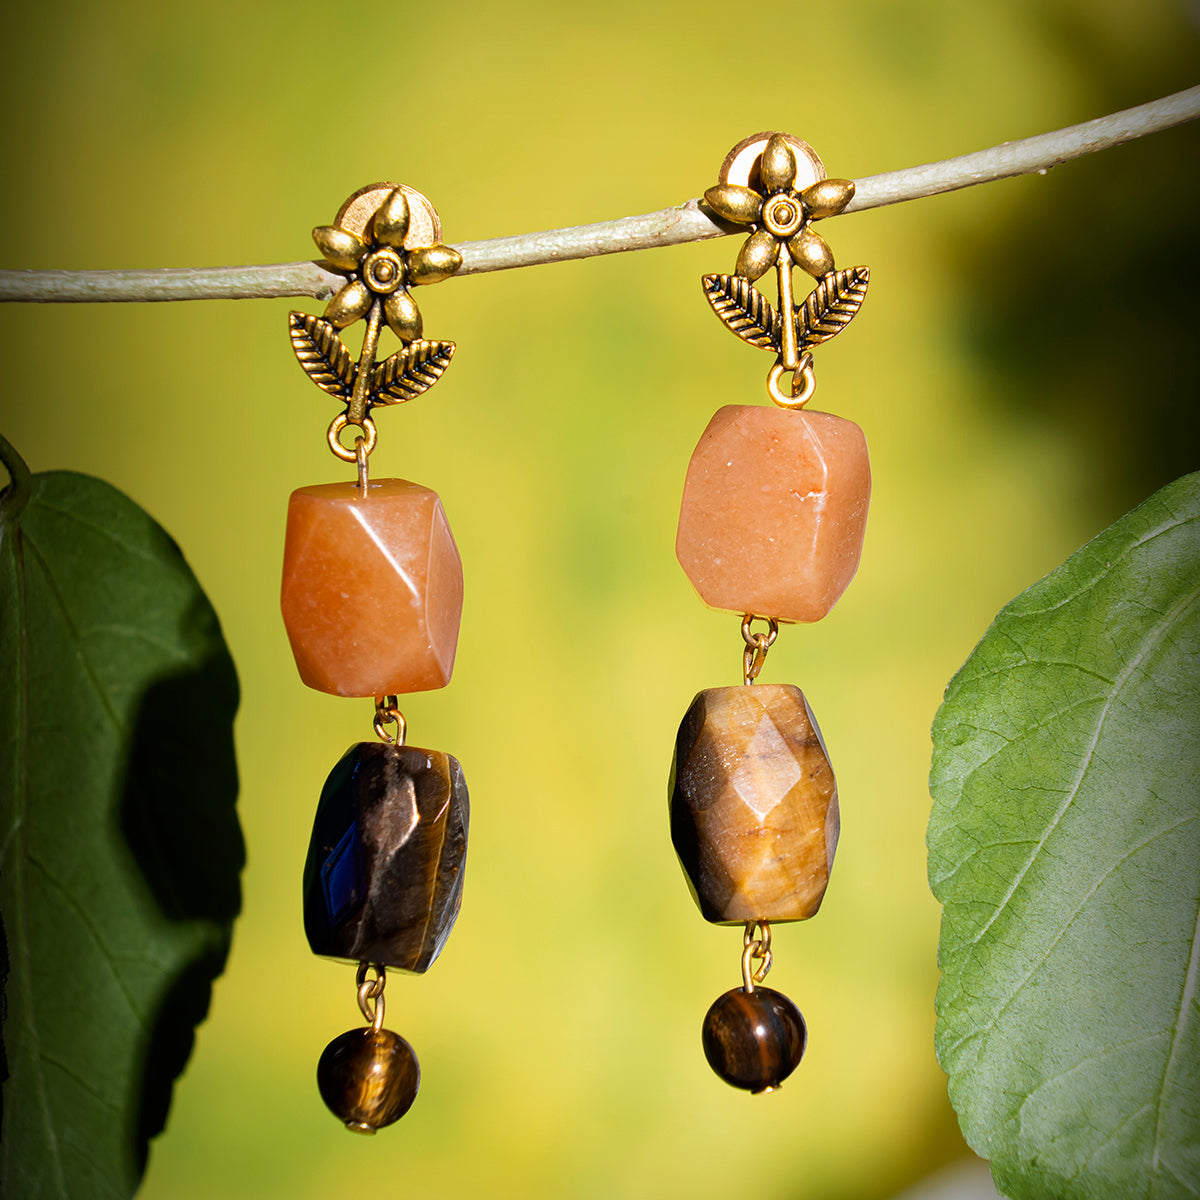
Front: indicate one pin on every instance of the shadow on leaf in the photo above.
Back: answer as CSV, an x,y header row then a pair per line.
x,y
179,818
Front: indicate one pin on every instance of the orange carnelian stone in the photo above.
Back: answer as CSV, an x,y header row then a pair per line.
x,y
774,509
372,588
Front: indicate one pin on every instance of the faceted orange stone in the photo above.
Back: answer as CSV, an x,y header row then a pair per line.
x,y
774,509
372,588
754,808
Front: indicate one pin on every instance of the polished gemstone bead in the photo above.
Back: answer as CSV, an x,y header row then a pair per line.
x,y
754,1040
384,875
368,1078
753,800
372,588
774,508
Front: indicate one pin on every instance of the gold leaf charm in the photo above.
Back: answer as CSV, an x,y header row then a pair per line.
x,y
832,304
410,371
744,309
322,354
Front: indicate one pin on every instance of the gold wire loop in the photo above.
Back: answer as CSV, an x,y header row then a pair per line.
x,y
370,993
765,640
387,712
756,944
757,933
338,424
360,456
752,664
757,645
803,384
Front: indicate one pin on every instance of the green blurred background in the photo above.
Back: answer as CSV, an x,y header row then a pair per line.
x,y
1022,368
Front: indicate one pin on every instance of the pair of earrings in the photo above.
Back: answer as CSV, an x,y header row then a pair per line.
x,y
771,527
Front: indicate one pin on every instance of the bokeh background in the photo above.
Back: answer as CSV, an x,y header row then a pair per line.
x,y
1024,369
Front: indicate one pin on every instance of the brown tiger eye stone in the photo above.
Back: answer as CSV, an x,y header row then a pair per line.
x,y
754,1040
753,802
368,1078
384,875
774,509
372,588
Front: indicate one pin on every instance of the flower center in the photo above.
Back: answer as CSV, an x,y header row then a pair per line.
x,y
383,271
782,215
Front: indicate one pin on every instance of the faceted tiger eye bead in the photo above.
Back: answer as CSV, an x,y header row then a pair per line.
x,y
368,1078
774,509
384,875
372,588
754,810
754,1040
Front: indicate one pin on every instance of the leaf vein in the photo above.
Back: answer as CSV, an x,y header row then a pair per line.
x,y
1112,1137
1148,643
1128,854
1185,1003
962,862
106,534
1157,532
24,948
1009,668
172,650
76,1078
88,667
1178,1179
86,921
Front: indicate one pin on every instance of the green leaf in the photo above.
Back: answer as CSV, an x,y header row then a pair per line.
x,y
119,843
1065,846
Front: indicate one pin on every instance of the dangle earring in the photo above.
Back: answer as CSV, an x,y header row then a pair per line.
x,y
771,526
371,598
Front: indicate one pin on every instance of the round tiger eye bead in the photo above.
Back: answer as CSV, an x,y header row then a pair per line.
x,y
754,1040
368,1078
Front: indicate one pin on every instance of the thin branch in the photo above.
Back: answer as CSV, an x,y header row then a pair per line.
x,y
668,227
171,283
1029,156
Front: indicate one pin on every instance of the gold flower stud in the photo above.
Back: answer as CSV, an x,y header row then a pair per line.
x,y
381,269
780,214
776,184
386,239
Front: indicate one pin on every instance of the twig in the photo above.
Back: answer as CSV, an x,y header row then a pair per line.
x,y
669,227
171,283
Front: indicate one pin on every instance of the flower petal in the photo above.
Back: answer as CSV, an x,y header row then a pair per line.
x,y
735,203
390,223
757,256
828,197
349,304
778,169
432,264
402,315
810,251
339,247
